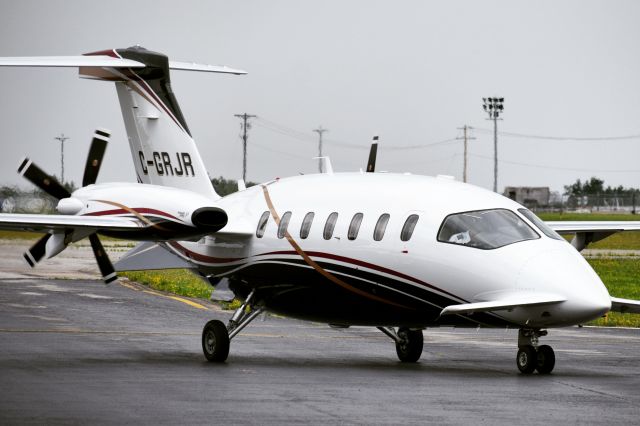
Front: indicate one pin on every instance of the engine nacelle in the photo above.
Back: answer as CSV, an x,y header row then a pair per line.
x,y
166,213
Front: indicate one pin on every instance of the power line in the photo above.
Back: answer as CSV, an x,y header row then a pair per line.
x,y
296,134
245,127
562,138
569,169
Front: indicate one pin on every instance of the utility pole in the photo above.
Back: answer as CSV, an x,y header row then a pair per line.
x,y
494,107
61,138
245,127
466,138
320,131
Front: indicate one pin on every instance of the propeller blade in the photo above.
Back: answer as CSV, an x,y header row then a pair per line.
x,y
371,164
42,180
106,268
37,251
94,159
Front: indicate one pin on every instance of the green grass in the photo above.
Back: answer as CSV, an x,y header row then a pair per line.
x,y
587,216
622,278
178,281
19,235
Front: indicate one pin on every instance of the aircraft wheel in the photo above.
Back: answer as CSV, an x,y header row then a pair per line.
x,y
409,348
526,359
215,341
545,359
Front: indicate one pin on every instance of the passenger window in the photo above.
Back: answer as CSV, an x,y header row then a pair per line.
x,y
330,226
409,226
381,226
284,223
262,224
354,226
306,225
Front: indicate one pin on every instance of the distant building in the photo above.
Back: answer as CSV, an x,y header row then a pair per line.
x,y
531,197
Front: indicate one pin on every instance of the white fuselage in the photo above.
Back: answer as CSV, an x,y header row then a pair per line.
x,y
422,272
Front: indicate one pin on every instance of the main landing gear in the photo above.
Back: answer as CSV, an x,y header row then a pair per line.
x,y
409,342
532,357
216,338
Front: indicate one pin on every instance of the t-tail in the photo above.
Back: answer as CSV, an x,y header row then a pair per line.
x,y
163,151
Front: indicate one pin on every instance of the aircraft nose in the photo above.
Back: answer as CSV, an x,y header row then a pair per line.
x,y
565,272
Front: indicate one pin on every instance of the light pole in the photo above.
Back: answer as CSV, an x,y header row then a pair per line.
x,y
61,138
494,107
320,131
245,127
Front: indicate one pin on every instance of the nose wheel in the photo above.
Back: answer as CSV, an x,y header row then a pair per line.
x,y
532,357
409,343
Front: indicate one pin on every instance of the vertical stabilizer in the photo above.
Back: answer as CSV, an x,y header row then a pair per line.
x,y
161,145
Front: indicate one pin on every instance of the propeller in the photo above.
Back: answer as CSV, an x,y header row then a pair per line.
x,y
51,186
371,164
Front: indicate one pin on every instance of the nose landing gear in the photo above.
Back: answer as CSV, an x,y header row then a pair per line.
x,y
532,357
409,342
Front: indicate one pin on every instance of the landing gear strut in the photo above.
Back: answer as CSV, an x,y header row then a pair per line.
x,y
409,342
216,337
532,357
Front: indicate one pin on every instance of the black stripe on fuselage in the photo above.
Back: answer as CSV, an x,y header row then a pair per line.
x,y
293,288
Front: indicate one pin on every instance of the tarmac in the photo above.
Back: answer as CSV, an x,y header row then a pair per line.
x,y
76,351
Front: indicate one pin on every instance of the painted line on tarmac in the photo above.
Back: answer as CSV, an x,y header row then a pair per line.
x,y
179,299
86,331
155,293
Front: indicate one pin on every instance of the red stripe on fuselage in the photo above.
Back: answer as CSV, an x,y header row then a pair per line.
x,y
142,210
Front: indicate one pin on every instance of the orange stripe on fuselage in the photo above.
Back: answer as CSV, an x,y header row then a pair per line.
x,y
317,267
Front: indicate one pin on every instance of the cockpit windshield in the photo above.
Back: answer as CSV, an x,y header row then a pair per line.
x,y
485,229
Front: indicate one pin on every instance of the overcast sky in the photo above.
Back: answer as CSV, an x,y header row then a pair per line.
x,y
411,71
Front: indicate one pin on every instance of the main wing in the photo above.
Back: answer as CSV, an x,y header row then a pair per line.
x,y
591,231
55,222
572,227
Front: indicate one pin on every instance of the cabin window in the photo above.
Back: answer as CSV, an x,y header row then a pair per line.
x,y
546,230
408,227
485,229
262,224
354,226
306,225
381,226
330,226
284,223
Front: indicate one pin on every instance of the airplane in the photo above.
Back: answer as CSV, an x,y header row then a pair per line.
x,y
396,251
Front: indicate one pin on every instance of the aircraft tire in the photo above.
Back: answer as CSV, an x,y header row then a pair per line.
x,y
410,348
527,359
215,341
545,359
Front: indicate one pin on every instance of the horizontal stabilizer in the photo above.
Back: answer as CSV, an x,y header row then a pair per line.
x,y
105,61
192,66
625,306
508,303
69,61
150,255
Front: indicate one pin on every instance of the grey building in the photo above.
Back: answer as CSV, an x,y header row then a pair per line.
x,y
529,196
